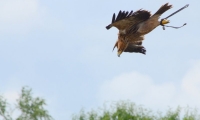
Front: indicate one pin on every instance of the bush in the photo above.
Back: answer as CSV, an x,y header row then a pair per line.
x,y
126,110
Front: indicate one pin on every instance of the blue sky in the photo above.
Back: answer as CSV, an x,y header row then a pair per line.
x,y
62,51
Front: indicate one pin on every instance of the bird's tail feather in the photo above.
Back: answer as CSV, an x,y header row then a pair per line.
x,y
163,9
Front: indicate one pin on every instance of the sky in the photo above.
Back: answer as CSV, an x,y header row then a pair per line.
x,y
63,52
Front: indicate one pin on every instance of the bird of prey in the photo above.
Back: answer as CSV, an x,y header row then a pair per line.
x,y
133,26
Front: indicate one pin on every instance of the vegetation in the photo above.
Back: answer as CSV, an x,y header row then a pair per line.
x,y
129,111
28,107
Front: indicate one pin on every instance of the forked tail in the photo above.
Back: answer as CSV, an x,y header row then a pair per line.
x,y
163,9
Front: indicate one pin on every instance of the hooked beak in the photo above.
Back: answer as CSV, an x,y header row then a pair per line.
x,y
119,53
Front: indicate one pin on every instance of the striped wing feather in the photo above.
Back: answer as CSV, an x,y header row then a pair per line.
x,y
135,47
127,19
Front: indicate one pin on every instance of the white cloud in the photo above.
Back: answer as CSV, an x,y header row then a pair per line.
x,y
18,11
11,96
11,90
191,84
21,16
142,90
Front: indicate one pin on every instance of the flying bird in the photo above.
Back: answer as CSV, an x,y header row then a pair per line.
x,y
133,26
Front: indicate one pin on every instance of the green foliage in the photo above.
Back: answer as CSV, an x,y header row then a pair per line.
x,y
30,108
172,115
3,109
191,115
120,111
129,111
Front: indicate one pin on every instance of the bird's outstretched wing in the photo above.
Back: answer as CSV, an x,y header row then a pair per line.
x,y
126,19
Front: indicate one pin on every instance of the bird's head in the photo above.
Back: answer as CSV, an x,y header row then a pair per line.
x,y
119,53
120,47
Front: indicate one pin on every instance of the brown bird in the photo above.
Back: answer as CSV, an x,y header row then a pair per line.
x,y
133,26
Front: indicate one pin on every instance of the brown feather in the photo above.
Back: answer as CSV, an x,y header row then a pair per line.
x,y
163,9
135,48
127,19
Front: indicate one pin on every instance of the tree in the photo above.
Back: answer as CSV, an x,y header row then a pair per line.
x,y
30,108
126,110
